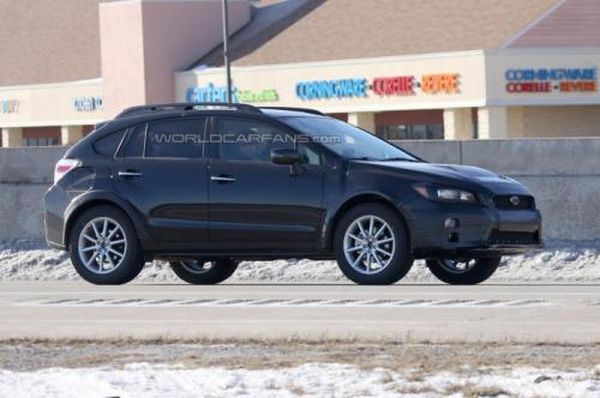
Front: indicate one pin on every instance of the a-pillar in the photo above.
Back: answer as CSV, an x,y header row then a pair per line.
x,y
493,122
458,124
364,120
12,137
70,134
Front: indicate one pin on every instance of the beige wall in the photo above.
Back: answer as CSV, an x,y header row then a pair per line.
x,y
554,121
144,42
468,65
51,104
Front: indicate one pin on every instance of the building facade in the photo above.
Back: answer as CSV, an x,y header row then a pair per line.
x,y
532,73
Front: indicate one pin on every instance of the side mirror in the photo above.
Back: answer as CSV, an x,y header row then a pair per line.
x,y
285,156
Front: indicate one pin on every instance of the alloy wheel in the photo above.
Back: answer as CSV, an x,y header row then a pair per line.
x,y
102,245
369,244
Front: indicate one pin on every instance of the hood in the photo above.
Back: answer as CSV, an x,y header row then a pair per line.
x,y
457,174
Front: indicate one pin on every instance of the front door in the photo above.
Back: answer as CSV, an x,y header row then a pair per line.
x,y
161,170
254,203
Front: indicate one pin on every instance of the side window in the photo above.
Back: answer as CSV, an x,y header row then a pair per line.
x,y
249,140
107,145
134,144
180,138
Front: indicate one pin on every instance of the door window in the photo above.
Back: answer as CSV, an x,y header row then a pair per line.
x,y
178,138
249,140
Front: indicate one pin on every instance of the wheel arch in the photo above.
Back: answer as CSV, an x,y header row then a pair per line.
x,y
359,199
93,199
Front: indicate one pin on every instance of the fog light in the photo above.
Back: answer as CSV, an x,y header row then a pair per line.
x,y
451,225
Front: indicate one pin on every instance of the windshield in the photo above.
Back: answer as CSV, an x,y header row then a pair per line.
x,y
346,140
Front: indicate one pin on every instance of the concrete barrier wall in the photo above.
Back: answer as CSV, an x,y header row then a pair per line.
x,y
563,174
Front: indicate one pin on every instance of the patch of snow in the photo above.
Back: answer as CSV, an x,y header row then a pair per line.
x,y
565,261
311,379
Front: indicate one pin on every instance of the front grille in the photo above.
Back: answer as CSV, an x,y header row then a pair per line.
x,y
514,238
514,202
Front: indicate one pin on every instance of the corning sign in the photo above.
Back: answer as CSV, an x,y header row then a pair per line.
x,y
551,80
357,87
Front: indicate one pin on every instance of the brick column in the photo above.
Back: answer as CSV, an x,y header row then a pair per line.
x,y
69,135
364,120
458,124
493,122
12,137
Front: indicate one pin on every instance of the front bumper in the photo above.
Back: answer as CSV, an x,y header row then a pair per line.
x,y
479,231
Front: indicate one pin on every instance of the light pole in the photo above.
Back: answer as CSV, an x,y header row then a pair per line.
x,y
226,50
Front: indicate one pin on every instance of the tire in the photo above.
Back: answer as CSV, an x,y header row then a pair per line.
x,y
386,268
100,269
480,270
200,272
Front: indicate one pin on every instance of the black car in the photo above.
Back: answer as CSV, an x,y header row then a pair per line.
x,y
205,186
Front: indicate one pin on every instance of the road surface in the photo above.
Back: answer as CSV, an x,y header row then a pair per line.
x,y
410,313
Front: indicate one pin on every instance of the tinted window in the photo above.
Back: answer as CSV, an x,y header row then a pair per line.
x,y
134,146
107,146
181,138
249,140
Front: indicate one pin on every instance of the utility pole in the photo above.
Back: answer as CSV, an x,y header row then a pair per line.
x,y
226,50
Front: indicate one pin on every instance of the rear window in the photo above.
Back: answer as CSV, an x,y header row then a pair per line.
x,y
107,145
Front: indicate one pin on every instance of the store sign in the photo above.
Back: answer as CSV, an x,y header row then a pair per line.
x,y
432,84
551,80
212,93
9,106
87,104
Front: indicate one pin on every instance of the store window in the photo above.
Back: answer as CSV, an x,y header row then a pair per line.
x,y
41,136
410,125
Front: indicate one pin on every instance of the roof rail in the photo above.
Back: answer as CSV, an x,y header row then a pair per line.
x,y
185,106
289,108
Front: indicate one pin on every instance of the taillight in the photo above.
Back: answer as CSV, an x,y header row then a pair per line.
x,y
63,167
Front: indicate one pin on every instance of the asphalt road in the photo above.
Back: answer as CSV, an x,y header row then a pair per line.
x,y
413,313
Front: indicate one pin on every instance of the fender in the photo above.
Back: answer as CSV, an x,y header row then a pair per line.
x,y
90,197
356,198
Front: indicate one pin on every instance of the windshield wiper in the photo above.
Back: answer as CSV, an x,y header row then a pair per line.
x,y
363,158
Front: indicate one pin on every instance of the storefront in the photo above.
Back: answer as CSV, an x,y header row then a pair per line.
x,y
507,93
514,80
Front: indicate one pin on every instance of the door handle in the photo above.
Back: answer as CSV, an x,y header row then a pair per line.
x,y
222,178
129,174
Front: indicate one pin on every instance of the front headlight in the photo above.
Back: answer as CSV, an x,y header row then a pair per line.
x,y
451,195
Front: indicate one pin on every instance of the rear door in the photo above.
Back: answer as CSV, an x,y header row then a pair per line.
x,y
254,203
161,170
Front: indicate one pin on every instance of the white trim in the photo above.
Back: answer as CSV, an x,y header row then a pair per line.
x,y
544,102
205,70
76,83
533,23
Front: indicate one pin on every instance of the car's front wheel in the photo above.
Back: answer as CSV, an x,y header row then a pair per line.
x,y
371,245
464,272
104,247
200,272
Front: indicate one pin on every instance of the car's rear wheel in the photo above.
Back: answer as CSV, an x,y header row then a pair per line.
x,y
104,247
201,272
371,245
464,271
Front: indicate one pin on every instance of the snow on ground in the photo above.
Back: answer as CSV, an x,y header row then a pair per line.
x,y
311,379
561,261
